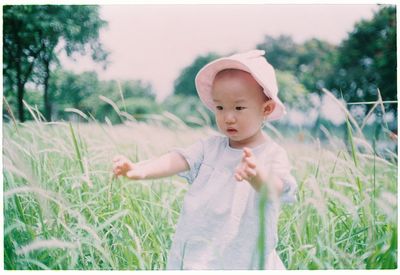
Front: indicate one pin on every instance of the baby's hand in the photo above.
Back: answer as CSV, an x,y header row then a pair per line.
x,y
122,166
246,170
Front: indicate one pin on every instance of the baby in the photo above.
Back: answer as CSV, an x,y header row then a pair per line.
x,y
219,224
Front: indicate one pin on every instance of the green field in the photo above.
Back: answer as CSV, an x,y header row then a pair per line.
x,y
64,210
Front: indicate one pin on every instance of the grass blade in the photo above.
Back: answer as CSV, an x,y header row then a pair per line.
x,y
76,146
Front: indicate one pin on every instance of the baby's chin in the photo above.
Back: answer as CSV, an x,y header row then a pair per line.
x,y
235,138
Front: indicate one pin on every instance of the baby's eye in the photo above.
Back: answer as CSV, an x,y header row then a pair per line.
x,y
219,108
239,108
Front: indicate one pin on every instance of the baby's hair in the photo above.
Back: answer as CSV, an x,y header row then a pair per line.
x,y
231,72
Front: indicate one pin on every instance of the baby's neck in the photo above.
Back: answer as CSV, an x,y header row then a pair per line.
x,y
250,142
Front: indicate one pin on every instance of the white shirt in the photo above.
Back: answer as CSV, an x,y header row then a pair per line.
x,y
219,223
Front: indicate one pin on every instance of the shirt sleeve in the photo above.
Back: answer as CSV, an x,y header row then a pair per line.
x,y
281,166
194,155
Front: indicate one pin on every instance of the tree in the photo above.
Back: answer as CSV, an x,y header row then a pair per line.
x,y
311,62
188,109
31,35
367,60
292,93
137,89
315,62
184,84
21,49
82,92
135,97
68,89
281,52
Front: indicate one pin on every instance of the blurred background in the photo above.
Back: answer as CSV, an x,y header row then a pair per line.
x,y
145,57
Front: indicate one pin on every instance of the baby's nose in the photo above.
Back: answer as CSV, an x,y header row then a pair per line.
x,y
230,118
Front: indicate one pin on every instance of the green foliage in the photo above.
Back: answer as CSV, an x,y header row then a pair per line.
x,y
291,91
83,92
137,89
21,49
367,60
281,52
189,109
311,62
184,84
31,34
133,97
139,107
316,60
70,90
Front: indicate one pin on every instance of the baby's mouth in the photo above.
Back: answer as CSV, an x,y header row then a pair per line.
x,y
231,130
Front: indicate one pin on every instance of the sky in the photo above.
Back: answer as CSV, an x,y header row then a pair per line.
x,y
154,43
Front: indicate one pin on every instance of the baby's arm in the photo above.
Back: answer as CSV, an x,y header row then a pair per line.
x,y
250,171
163,166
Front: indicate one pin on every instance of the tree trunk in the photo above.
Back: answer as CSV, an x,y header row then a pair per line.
x,y
20,90
20,82
47,104
22,79
20,103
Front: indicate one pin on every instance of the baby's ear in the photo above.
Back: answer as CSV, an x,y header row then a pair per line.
x,y
269,107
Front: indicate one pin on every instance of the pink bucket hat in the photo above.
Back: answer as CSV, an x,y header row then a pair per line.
x,y
252,62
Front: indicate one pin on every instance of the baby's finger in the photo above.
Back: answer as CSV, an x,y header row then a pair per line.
x,y
251,172
242,174
247,152
250,162
117,165
238,177
238,169
116,171
122,163
127,165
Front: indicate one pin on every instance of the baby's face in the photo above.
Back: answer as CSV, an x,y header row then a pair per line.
x,y
240,107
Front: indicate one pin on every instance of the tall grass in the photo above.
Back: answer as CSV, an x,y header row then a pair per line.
x,y
64,210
